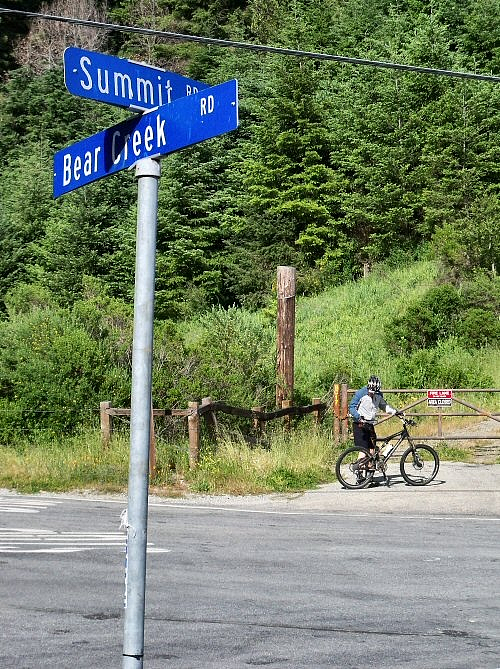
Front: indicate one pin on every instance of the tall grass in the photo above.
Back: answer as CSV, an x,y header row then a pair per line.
x,y
291,461
79,462
288,461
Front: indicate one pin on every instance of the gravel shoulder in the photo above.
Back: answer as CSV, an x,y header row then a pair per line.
x,y
459,489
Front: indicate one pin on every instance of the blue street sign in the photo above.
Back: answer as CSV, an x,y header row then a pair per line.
x,y
122,82
183,122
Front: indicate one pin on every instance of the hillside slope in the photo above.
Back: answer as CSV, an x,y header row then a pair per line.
x,y
340,333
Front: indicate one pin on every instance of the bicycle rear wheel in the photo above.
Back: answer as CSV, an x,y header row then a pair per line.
x,y
419,464
354,471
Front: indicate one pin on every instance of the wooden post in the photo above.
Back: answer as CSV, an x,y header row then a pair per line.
x,y
286,404
106,423
152,444
317,414
257,423
336,412
343,411
194,435
440,423
210,419
285,336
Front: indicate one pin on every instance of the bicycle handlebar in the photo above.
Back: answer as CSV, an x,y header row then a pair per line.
x,y
405,420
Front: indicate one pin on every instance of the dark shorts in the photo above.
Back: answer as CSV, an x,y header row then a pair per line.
x,y
364,435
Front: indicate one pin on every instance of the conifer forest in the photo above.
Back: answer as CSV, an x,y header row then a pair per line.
x,y
335,167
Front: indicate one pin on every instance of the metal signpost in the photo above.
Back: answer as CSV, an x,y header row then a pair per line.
x,y
123,82
140,141
148,173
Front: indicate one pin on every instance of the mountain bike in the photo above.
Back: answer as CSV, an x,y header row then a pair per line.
x,y
419,464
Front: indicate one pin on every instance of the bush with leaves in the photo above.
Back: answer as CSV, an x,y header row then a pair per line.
x,y
51,373
447,365
478,328
233,358
426,322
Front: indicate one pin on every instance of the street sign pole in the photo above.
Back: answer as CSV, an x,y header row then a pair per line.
x,y
148,173
182,112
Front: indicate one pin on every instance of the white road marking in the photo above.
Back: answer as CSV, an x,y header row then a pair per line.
x,y
16,540
11,504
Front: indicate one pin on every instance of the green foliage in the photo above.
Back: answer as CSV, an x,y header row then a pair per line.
x,y
479,327
26,297
471,242
283,479
471,314
448,364
56,365
423,324
233,358
51,372
332,165
172,379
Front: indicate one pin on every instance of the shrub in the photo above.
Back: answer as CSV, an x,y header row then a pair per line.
x,y
446,365
479,328
233,358
424,323
51,372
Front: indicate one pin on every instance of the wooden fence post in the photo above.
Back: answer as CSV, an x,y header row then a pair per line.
x,y
344,412
286,404
257,423
194,435
285,335
336,412
106,423
210,418
440,423
317,414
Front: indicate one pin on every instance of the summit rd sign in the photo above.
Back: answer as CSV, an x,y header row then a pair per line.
x,y
173,126
123,82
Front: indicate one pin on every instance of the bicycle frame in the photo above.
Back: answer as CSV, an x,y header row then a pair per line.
x,y
401,435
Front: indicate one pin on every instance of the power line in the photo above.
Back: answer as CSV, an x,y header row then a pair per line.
x,y
253,47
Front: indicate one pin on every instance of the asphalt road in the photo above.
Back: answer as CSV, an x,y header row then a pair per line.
x,y
282,581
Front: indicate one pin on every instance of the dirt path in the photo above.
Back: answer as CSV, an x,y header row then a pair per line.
x,y
484,451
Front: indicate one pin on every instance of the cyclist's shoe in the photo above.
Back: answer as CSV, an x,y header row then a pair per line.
x,y
360,476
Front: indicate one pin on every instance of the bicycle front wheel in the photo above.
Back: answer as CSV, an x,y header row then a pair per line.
x,y
419,464
355,468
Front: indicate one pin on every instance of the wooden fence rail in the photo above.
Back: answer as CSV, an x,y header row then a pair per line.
x,y
208,409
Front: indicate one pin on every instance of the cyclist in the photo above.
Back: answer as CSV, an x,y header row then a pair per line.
x,y
363,408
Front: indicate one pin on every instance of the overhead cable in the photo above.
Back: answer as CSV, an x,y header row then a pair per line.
x,y
252,47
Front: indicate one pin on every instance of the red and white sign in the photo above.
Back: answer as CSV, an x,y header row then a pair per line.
x,y
439,398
